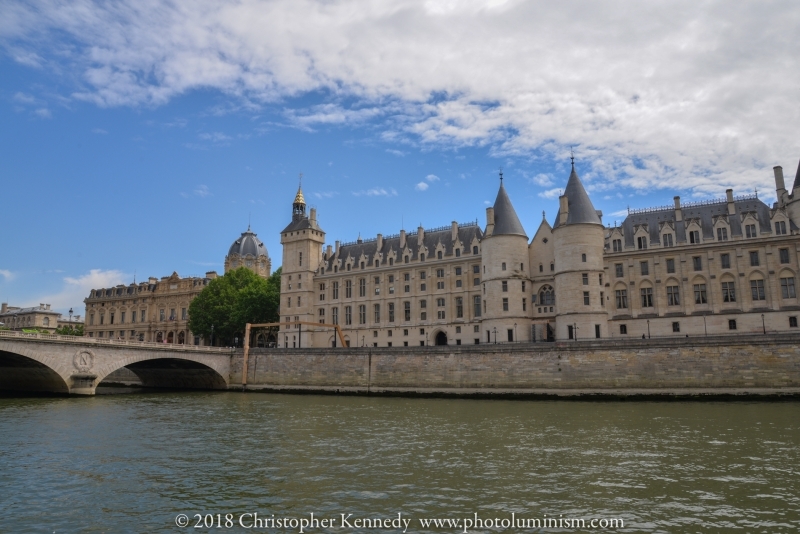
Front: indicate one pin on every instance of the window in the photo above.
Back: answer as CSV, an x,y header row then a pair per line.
x,y
784,255
676,327
585,298
622,299
524,305
362,314
552,267
440,303
391,262
391,313
618,270
439,273
439,255
423,303
523,286
161,316
505,286
335,290
697,263
694,237
671,266
673,296
541,268
583,258
641,242
732,324
505,304
335,315
423,287
362,287
422,275
750,230
645,267
623,329
440,314
668,240
300,260
728,292
617,243
757,290
440,285
458,271
377,309
322,315
792,322
647,297
406,288
547,296
406,277
700,296
725,261
504,266
348,315
476,306
362,264
722,234
458,283
585,279
405,259
423,316
787,288
111,316
406,311
422,257
459,307
780,228
348,289
476,281
754,259
133,316
474,250
458,253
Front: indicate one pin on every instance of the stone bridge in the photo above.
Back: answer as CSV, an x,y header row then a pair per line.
x,y
76,365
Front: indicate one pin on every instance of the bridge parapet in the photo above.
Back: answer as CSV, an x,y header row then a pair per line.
x,y
94,341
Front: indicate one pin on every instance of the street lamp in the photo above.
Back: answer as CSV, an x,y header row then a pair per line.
x,y
704,325
763,324
648,329
70,315
212,335
515,333
575,331
495,335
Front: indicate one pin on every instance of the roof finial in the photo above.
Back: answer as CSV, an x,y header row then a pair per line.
x,y
501,175
248,220
301,181
543,216
572,157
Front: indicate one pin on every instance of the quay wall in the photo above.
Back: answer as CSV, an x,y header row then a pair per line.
x,y
747,364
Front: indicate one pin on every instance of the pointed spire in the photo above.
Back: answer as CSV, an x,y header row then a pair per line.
x,y
796,178
580,207
506,221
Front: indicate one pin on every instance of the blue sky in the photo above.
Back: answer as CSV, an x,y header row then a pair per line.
x,y
140,138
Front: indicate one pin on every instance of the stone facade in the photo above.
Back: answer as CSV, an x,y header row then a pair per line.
x,y
716,267
40,317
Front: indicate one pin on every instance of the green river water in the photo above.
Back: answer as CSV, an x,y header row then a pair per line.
x,y
133,463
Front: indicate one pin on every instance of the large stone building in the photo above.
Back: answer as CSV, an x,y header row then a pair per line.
x,y
39,317
715,267
158,310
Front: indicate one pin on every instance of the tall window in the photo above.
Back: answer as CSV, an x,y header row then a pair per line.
x,y
505,304
754,259
725,261
670,266
697,263
335,290
787,288
583,259
439,273
694,237
728,292
348,315
547,296
673,296
780,228
585,298
668,240
391,312
504,266
474,250
722,234
585,279
700,296
348,289
505,286
617,244
622,298
476,306
647,297
406,311
645,267
750,230
377,313
300,260
335,315
362,314
459,307
641,242
362,287
784,255
618,270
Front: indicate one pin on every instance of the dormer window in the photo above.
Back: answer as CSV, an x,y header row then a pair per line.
x,y
780,228
722,234
750,230
641,243
668,242
694,237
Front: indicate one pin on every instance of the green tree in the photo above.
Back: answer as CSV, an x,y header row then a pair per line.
x,y
230,301
70,330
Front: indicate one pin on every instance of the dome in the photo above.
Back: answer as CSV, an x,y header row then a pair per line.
x,y
248,243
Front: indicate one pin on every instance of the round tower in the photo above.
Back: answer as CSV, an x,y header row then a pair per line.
x,y
505,275
578,240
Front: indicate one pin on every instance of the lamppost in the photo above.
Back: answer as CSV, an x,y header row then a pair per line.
x,y
648,329
705,327
362,341
575,331
212,335
763,324
70,315
495,334
515,333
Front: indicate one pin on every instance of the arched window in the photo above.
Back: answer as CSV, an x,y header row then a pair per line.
x,y
474,250
439,255
547,296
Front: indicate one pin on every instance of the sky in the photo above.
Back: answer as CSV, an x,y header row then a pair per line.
x,y
140,138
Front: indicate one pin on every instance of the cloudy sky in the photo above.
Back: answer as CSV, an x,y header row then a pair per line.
x,y
139,138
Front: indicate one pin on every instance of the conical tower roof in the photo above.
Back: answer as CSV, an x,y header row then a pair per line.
x,y
581,209
797,178
506,221
299,198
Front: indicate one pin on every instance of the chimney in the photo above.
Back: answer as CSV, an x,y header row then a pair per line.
x,y
313,216
4,307
46,306
563,206
402,239
489,221
380,242
152,280
731,206
210,275
330,251
420,235
454,231
779,183
678,212
337,247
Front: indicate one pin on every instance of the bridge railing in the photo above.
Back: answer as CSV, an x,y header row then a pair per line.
x,y
113,342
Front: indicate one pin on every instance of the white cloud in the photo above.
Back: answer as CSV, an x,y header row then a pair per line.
x,y
432,178
422,186
7,275
325,194
75,290
202,191
651,94
43,113
218,138
542,179
376,192
22,98
395,152
551,193
620,213
99,131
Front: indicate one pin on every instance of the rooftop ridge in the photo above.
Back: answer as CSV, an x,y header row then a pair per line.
x,y
710,202
395,236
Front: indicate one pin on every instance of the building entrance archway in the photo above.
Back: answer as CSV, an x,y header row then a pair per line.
x,y
441,338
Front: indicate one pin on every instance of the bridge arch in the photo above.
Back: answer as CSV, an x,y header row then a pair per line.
x,y
26,370
174,371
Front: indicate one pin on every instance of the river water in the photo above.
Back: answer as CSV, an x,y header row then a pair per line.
x,y
132,463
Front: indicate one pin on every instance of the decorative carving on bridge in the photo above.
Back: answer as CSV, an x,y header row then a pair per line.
x,y
83,360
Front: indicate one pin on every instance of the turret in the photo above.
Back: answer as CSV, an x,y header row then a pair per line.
x,y
790,201
579,243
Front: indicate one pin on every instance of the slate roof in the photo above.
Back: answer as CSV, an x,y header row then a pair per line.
x,y
466,234
506,221
581,209
797,178
248,243
705,212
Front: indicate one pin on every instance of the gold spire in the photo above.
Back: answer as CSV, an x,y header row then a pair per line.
x,y
298,198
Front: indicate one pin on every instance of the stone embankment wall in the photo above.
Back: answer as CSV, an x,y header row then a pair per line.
x,y
765,364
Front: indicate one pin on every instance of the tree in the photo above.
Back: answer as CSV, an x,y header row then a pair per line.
x,y
70,330
230,301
